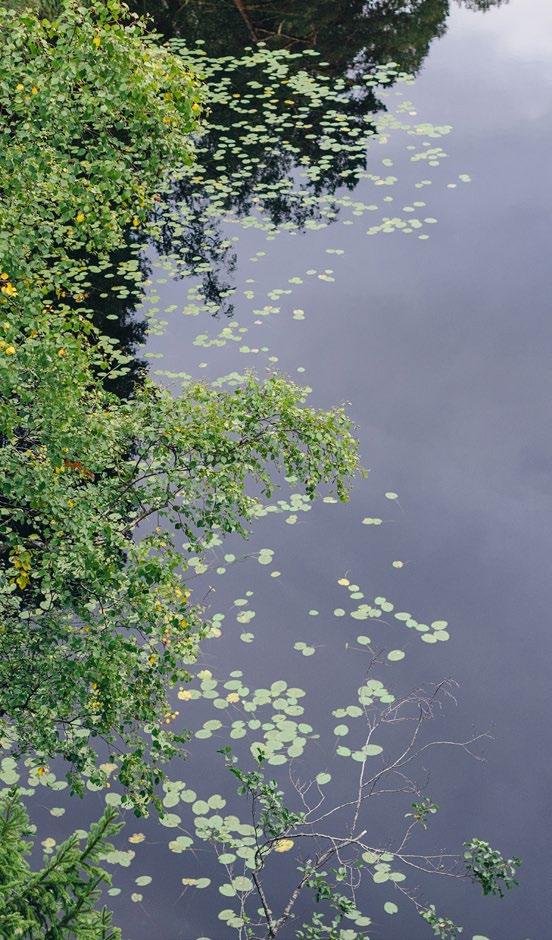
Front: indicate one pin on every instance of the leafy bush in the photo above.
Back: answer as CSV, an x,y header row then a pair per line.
x,y
93,112
95,615
488,868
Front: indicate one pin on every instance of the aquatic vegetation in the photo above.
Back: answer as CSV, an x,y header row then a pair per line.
x,y
282,144
293,811
107,472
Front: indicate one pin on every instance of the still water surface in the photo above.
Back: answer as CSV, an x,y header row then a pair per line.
x,y
442,347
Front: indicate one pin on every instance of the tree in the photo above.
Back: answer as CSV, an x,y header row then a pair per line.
x,y
95,615
333,851
59,900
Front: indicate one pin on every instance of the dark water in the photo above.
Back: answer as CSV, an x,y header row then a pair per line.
x,y
442,348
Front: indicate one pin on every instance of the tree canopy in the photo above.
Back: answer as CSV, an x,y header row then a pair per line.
x,y
96,618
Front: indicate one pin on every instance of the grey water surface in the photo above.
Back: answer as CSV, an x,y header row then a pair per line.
x,y
443,350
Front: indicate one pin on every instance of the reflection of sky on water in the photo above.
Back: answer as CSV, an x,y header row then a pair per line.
x,y
443,349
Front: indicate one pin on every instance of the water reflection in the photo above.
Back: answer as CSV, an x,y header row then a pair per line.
x,y
352,39
111,293
244,173
351,35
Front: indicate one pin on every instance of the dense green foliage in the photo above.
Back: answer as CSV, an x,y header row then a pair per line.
x,y
92,112
58,901
96,620
489,869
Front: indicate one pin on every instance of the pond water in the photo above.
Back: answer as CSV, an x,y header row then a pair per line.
x,y
441,347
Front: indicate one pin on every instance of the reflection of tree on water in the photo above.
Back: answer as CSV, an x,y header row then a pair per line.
x,y
352,38
111,293
341,30
194,244
481,6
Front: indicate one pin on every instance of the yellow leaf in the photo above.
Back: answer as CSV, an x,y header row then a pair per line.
x,y
136,837
108,768
283,845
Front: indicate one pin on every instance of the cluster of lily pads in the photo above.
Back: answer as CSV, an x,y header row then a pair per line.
x,y
282,151
273,721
